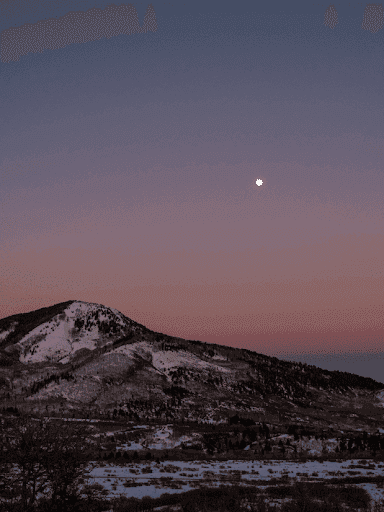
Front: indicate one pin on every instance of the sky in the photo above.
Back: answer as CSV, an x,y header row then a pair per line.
x,y
131,139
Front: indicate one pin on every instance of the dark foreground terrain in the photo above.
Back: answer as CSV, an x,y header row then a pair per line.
x,y
241,465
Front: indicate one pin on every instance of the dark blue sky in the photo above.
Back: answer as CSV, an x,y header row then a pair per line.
x,y
128,170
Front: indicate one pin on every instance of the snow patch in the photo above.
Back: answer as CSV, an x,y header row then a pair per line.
x,y
59,338
4,334
218,357
51,342
380,396
141,348
170,359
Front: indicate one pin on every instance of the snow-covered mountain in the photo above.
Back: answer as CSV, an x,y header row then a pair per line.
x,y
90,356
80,325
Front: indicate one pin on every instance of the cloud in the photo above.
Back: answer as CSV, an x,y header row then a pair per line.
x,y
330,17
373,18
74,27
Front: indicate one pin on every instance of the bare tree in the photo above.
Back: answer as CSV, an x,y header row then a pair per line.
x,y
41,459
21,463
65,465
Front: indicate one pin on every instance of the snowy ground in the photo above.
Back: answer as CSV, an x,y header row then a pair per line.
x,y
152,479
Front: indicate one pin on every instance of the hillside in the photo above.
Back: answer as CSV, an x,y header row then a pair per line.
x,y
77,356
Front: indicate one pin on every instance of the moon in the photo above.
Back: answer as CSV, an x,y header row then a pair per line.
x,y
259,182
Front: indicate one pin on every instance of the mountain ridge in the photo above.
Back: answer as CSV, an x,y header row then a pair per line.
x,y
90,357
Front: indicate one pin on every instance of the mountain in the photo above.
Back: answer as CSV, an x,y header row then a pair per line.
x,y
78,356
57,333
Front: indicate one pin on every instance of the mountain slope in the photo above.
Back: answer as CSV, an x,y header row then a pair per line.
x,y
57,333
90,357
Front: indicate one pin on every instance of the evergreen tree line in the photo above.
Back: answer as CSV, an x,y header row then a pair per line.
x,y
36,386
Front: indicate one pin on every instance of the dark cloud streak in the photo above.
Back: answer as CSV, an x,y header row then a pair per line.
x,y
330,17
74,27
373,18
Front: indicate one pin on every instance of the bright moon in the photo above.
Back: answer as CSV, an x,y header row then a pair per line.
x,y
259,182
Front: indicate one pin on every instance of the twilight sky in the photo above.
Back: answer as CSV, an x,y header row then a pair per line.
x,y
128,165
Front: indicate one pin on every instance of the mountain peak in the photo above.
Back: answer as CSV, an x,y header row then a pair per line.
x,y
88,355
54,334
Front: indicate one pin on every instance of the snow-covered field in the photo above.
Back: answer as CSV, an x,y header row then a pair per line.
x,y
148,478
153,479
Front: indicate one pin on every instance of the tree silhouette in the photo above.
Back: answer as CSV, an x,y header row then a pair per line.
x,y
50,462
